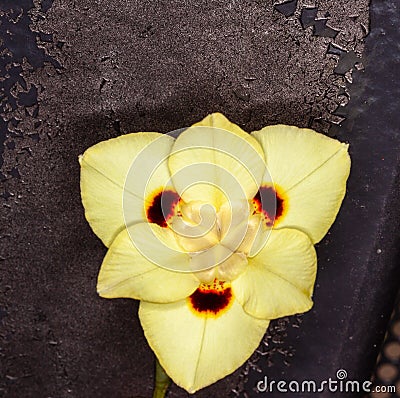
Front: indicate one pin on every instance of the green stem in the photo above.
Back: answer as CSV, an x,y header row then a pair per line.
x,y
162,381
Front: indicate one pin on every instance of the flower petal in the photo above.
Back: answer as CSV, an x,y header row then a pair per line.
x,y
126,272
279,280
197,350
104,170
310,170
215,161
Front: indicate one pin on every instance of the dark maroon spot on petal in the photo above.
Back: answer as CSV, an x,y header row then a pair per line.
x,y
162,207
270,203
211,300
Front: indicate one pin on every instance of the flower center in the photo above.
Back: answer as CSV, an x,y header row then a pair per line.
x,y
218,242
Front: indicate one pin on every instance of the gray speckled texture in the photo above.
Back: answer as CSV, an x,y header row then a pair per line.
x,y
118,67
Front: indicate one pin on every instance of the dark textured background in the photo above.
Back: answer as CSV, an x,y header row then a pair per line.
x,y
359,259
78,72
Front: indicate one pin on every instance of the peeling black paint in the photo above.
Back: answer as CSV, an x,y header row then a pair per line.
x,y
19,42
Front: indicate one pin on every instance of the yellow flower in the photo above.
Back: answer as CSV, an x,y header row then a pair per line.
x,y
213,231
